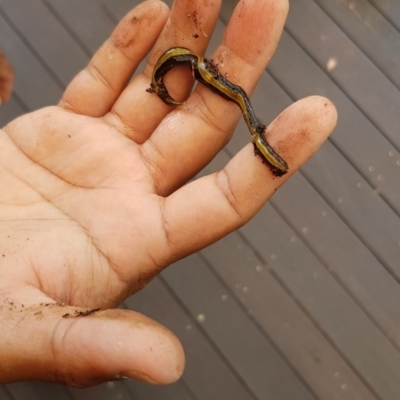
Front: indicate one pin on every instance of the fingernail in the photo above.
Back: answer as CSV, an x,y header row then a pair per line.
x,y
139,376
120,377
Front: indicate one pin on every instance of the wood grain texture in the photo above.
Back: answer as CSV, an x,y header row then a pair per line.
x,y
304,346
50,41
354,73
38,391
207,375
35,93
370,31
390,9
240,341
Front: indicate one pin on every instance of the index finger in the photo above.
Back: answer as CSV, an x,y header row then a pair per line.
x,y
95,89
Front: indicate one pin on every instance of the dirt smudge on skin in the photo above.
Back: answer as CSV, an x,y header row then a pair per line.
x,y
130,30
260,25
126,33
195,16
77,314
290,144
39,310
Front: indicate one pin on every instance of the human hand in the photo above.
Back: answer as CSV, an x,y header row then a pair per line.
x,y
93,204
6,78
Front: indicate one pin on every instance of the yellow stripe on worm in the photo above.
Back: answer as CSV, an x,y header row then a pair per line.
x,y
177,56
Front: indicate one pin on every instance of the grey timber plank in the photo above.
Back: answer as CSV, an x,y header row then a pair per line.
x,y
33,84
38,391
390,9
12,109
85,20
206,374
106,391
346,257
348,328
241,342
374,157
303,345
370,31
355,136
4,395
354,74
359,206
47,37
352,198
342,187
145,391
119,8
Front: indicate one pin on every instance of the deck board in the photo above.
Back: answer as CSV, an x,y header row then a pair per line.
x,y
362,144
11,110
86,21
35,93
38,391
4,394
206,374
353,198
119,8
301,342
246,348
50,41
326,303
106,391
390,9
362,275
324,41
370,31
143,391
359,205
302,302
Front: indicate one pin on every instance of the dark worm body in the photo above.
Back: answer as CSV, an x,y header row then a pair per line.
x,y
205,72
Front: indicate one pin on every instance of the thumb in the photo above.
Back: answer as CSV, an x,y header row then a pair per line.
x,y
82,347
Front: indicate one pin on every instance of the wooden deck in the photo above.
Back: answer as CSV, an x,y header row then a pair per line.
x,y
303,303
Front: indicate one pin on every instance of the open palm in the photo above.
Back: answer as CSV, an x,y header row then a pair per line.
x,y
93,204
